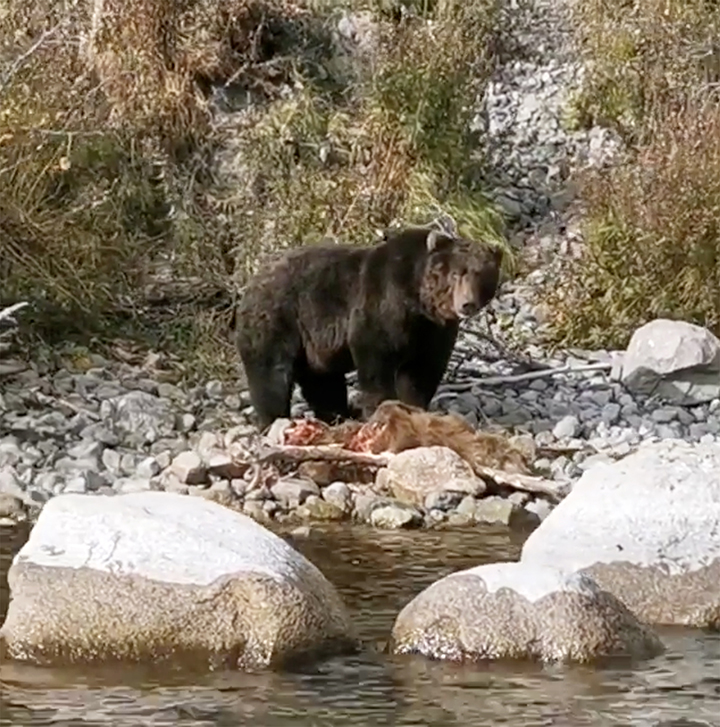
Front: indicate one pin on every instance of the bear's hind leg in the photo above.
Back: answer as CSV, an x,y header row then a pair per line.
x,y
326,394
270,391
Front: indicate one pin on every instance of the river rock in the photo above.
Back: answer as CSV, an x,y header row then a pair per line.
x,y
339,494
315,508
520,611
395,516
415,473
156,576
647,529
291,492
188,467
12,509
675,360
503,511
138,418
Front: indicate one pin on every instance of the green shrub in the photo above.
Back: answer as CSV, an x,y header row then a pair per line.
x,y
645,58
652,236
652,246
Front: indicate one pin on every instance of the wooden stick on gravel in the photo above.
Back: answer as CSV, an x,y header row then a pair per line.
x,y
332,453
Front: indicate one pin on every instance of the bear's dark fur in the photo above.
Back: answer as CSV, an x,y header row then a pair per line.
x,y
390,311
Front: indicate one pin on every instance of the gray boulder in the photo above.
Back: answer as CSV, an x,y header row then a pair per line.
x,y
675,360
647,529
520,611
156,576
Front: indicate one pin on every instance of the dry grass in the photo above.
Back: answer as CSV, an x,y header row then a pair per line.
x,y
129,203
651,229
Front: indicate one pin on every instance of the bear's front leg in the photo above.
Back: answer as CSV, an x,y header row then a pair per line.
x,y
376,369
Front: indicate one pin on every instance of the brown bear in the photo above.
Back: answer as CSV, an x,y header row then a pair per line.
x,y
390,311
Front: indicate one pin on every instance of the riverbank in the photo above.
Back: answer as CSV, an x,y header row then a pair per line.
x,y
115,421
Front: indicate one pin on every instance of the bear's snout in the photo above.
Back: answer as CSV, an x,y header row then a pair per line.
x,y
467,298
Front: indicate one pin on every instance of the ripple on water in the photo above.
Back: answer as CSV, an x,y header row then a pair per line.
x,y
377,574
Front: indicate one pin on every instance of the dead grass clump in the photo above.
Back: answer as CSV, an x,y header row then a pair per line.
x,y
652,237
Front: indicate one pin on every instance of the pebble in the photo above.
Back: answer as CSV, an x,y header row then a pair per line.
x,y
567,428
338,494
188,467
395,516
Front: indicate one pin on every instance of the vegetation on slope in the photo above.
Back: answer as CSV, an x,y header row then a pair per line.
x,y
131,199
652,227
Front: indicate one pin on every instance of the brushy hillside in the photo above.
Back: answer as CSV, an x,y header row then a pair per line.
x,y
151,150
652,228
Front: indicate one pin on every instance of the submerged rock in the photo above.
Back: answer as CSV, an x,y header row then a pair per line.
x,y
647,529
520,611
156,576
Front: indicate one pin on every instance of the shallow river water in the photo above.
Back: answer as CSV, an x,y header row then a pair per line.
x,y
377,573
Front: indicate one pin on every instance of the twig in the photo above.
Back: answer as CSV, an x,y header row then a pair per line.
x,y
7,313
333,453
525,483
328,453
504,351
450,389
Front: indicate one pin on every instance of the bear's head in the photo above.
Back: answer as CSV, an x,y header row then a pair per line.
x,y
461,276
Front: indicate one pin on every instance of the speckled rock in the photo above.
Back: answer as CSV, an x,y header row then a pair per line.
x,y
155,577
12,509
519,611
647,529
415,473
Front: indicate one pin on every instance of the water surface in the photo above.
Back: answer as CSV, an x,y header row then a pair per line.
x,y
377,573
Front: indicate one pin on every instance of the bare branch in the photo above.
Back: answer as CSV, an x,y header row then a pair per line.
x,y
448,390
7,313
327,453
524,483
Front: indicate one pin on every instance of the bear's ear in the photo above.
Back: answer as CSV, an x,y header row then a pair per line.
x,y
497,253
436,239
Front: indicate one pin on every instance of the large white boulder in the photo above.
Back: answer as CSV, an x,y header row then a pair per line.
x,y
519,611
647,529
158,576
675,360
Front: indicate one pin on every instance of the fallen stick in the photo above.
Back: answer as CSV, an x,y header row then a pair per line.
x,y
524,483
7,313
326,452
517,378
504,350
333,453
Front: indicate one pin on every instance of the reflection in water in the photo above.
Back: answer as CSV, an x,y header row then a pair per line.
x,y
377,573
